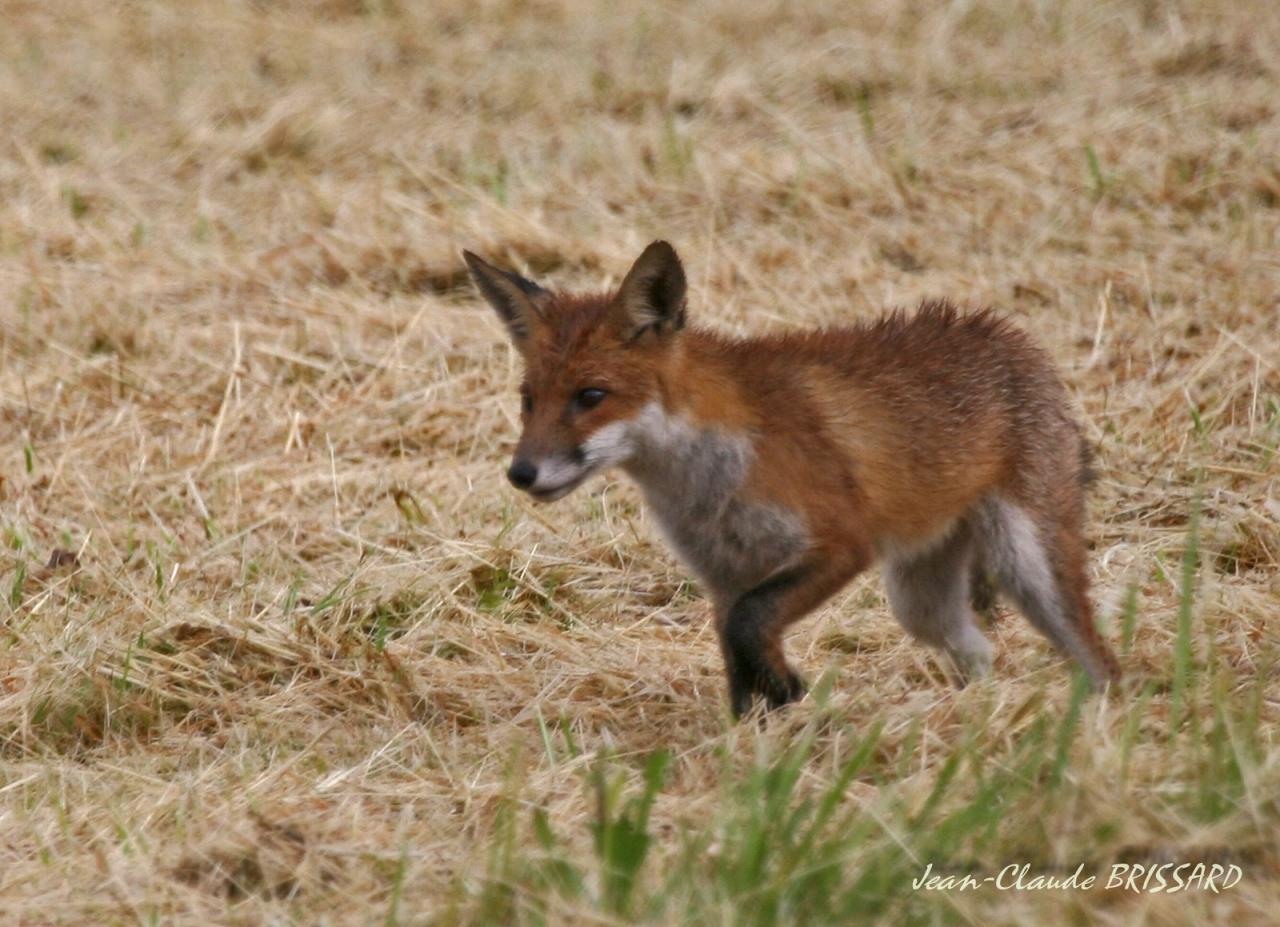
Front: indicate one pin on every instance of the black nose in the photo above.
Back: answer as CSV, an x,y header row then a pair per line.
x,y
522,474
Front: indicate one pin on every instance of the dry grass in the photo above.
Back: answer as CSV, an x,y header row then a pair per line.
x,y
304,655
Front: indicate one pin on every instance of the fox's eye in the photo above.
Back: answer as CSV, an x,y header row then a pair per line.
x,y
526,403
589,398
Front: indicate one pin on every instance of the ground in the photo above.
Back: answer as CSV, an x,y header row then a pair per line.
x,y
278,643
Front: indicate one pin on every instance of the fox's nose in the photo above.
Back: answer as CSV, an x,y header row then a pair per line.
x,y
522,474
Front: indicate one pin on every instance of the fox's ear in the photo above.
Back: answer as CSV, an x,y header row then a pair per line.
x,y
652,294
513,297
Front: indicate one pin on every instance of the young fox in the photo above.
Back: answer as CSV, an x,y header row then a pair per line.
x,y
780,467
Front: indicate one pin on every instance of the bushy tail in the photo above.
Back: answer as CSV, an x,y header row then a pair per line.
x,y
1101,664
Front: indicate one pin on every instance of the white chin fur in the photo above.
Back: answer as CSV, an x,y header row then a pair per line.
x,y
551,494
557,476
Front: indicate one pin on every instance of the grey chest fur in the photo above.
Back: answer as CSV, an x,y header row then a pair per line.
x,y
692,481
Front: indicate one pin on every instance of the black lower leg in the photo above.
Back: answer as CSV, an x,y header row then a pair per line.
x,y
741,685
752,652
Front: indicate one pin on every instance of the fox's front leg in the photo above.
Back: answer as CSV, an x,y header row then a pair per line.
x,y
751,639
751,631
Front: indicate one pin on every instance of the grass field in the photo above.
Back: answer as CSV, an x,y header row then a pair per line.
x,y
278,643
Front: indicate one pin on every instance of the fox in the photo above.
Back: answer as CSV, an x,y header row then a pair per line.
x,y
939,443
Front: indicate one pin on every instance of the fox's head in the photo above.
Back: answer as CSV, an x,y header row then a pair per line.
x,y
593,365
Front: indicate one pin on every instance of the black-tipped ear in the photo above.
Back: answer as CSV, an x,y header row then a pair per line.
x,y
513,297
652,294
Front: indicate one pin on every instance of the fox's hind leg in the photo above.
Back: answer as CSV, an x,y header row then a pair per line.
x,y
929,593
982,590
1039,562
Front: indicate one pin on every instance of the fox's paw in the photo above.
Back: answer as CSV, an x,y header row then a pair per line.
x,y
776,691
974,660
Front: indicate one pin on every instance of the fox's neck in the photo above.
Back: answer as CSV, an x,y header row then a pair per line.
x,y
692,442
680,462
692,475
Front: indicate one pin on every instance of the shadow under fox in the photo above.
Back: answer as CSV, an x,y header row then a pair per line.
x,y
779,467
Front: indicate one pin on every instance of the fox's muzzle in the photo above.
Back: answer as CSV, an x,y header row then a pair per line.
x,y
549,477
